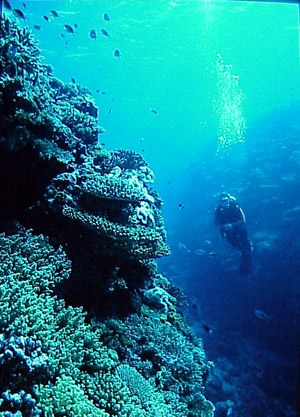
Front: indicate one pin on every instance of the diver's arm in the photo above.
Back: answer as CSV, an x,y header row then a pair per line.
x,y
242,218
231,226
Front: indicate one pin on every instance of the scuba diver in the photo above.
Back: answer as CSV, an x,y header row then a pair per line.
x,y
230,219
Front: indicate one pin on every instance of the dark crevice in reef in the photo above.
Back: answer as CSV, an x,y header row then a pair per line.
x,y
23,179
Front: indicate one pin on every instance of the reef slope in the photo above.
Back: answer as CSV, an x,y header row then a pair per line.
x,y
88,327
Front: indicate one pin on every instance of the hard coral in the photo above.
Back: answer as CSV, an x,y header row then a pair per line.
x,y
99,206
35,105
116,204
47,350
171,358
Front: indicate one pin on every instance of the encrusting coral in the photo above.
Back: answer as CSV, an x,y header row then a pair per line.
x,y
87,326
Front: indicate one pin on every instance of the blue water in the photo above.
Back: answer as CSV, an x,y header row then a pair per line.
x,y
168,64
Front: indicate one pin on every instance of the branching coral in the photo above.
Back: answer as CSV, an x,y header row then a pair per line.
x,y
99,206
18,50
34,104
46,348
67,398
70,350
151,400
170,356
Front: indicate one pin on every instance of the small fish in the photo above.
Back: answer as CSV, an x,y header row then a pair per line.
x,y
113,99
105,33
24,5
229,412
268,186
46,18
212,254
117,53
102,144
97,91
143,150
200,252
37,27
103,92
62,35
93,34
54,13
75,26
7,4
67,44
194,306
183,247
18,13
69,29
207,328
109,111
181,206
262,315
73,80
106,17
154,111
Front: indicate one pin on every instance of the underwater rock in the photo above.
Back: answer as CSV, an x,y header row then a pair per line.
x,y
160,298
58,355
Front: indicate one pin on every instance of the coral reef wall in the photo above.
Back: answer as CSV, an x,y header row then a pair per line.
x,y
88,327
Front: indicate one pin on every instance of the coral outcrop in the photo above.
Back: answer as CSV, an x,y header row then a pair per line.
x,y
87,325
108,194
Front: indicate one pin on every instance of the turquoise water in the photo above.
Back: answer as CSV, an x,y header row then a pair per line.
x,y
168,63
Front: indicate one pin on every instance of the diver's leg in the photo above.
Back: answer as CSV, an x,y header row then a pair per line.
x,y
240,241
233,239
246,255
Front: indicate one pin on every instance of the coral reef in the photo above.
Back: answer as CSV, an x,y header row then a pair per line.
x,y
47,346
87,326
113,201
165,353
37,108
52,362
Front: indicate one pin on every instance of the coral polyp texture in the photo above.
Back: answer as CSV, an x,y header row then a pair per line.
x,y
87,325
108,195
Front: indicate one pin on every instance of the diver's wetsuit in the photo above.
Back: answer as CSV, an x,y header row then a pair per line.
x,y
237,236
